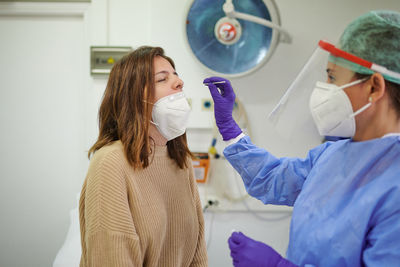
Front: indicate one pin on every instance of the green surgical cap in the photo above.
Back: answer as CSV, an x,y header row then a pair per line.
x,y
375,37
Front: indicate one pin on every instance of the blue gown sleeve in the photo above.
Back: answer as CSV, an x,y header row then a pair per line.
x,y
270,179
381,245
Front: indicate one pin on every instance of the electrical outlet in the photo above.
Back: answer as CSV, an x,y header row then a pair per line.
x,y
207,104
211,202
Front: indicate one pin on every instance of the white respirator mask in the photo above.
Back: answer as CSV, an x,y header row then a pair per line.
x,y
170,115
332,111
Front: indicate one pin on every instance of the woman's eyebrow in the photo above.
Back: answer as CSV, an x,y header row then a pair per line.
x,y
162,72
166,72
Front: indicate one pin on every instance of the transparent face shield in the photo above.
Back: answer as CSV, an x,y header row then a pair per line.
x,y
291,117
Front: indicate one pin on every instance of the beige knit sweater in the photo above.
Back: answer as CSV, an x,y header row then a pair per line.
x,y
149,217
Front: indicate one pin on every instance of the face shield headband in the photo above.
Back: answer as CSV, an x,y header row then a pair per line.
x,y
356,64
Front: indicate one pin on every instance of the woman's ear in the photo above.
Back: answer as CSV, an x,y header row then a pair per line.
x,y
378,87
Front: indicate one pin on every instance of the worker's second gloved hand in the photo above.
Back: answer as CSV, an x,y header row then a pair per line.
x,y
223,107
247,252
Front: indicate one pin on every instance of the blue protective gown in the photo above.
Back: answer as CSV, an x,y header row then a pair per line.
x,y
345,194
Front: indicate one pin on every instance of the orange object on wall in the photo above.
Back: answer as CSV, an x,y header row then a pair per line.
x,y
201,164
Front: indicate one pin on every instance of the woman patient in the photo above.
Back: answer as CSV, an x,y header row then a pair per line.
x,y
139,204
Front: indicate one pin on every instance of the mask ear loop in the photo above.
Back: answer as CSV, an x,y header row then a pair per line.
x,y
151,103
354,83
363,108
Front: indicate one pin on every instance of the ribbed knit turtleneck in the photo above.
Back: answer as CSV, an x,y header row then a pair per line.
x,y
148,217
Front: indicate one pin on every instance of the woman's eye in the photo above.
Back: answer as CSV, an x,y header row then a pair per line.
x,y
161,80
331,78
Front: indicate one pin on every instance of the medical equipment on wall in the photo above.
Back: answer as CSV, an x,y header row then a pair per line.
x,y
234,38
201,163
102,58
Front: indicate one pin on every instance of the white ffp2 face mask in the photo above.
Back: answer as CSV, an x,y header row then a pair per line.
x,y
170,115
332,111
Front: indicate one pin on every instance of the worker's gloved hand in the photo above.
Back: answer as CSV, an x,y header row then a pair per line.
x,y
223,106
247,252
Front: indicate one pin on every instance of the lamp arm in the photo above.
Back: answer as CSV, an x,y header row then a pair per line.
x,y
230,12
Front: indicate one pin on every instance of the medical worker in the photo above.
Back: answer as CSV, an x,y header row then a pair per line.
x,y
345,194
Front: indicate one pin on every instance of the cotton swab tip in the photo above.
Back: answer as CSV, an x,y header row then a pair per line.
x,y
215,82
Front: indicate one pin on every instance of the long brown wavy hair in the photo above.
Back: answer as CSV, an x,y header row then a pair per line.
x,y
125,111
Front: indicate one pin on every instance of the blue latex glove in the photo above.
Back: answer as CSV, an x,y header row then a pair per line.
x,y
247,252
223,107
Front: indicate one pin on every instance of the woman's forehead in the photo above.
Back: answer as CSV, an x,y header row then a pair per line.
x,y
161,63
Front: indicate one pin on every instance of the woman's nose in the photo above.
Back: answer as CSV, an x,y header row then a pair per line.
x,y
178,85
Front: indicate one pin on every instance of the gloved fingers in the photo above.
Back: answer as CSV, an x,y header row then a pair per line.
x,y
214,91
233,255
233,246
285,263
215,79
209,80
235,259
236,263
224,85
237,237
226,90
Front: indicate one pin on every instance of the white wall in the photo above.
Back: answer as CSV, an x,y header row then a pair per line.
x,y
49,104
42,125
